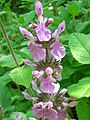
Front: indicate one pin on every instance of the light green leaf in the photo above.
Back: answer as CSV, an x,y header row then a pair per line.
x,y
81,89
83,109
80,47
22,76
28,17
8,61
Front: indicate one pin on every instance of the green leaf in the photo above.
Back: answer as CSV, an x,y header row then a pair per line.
x,y
22,76
73,9
5,96
81,89
83,109
8,61
5,78
67,70
28,17
80,47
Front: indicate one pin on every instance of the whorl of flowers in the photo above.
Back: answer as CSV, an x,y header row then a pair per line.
x,y
47,52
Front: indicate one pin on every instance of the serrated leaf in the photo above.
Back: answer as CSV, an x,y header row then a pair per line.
x,y
22,76
83,109
81,89
8,61
80,47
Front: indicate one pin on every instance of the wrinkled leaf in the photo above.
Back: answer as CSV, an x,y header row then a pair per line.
x,y
81,89
80,47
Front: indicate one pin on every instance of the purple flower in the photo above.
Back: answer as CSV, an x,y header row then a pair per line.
x,y
28,97
57,50
61,115
37,74
49,70
27,34
35,87
47,84
38,53
48,21
43,33
60,29
29,63
45,110
38,8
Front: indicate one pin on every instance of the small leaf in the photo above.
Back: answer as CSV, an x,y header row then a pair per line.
x,y
73,9
80,47
22,76
83,109
81,89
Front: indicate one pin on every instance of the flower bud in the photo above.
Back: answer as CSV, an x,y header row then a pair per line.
x,y
48,22
38,8
61,27
49,70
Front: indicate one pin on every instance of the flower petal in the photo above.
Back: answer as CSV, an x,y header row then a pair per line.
x,y
61,115
47,85
51,114
28,62
57,50
43,33
38,53
35,87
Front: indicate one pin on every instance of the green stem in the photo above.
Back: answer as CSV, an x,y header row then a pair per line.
x,y
31,91
10,48
8,42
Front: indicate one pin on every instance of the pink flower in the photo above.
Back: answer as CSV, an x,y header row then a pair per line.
x,y
43,33
57,50
37,74
47,84
45,110
38,53
38,8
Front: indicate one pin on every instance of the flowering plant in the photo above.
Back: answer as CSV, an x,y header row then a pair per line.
x,y
47,52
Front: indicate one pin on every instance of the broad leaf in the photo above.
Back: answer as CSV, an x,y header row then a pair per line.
x,y
81,89
8,61
83,109
80,47
22,76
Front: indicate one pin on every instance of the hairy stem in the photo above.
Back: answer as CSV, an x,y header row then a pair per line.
x,y
8,42
10,47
